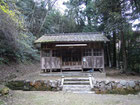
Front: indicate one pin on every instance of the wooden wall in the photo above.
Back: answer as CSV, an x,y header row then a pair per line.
x,y
91,61
47,63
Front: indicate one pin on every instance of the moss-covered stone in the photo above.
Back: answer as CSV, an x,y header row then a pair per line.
x,y
15,85
4,91
121,91
38,85
27,86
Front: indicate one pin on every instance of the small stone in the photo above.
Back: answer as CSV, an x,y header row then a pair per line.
x,y
107,82
131,83
137,82
137,88
28,85
54,84
108,87
113,84
123,82
59,88
102,85
119,86
5,91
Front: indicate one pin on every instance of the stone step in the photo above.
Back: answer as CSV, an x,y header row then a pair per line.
x,y
72,74
77,88
76,79
76,82
80,86
87,92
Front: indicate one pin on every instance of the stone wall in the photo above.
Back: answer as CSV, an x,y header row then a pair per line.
x,y
116,87
100,87
37,85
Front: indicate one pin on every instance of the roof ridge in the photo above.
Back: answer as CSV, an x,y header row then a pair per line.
x,y
82,33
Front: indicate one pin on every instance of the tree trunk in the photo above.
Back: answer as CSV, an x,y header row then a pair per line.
x,y
32,18
114,49
123,44
89,20
109,58
50,5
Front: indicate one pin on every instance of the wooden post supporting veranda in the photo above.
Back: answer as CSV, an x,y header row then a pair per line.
x,y
60,61
41,61
50,60
92,60
82,59
103,59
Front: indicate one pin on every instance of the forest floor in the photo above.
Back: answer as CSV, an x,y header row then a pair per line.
x,y
8,72
31,71
112,74
62,98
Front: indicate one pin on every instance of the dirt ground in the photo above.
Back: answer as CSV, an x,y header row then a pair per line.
x,y
114,74
8,72
61,98
111,74
31,71
115,77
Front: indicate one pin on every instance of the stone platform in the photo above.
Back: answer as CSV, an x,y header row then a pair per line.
x,y
74,74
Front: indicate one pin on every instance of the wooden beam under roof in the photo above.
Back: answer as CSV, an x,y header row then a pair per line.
x,y
68,45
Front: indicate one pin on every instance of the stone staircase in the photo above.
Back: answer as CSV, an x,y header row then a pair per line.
x,y
77,85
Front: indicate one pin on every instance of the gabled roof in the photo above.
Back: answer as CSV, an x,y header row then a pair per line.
x,y
72,37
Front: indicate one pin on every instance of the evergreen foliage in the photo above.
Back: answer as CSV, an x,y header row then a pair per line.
x,y
113,17
16,41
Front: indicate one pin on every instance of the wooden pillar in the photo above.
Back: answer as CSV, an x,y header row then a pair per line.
x,y
103,59
82,59
41,63
44,60
50,60
92,51
60,61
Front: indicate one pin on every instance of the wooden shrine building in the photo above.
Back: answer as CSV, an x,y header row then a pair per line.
x,y
72,52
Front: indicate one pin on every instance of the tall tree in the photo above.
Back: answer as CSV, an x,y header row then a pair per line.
x,y
50,4
36,13
16,41
112,14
